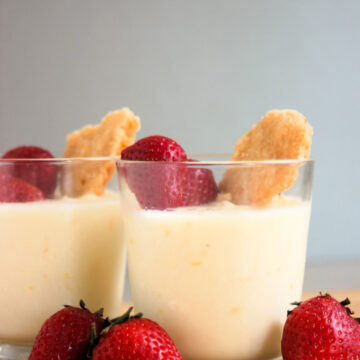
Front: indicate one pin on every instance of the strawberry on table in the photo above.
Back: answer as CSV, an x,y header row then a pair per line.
x,y
321,328
17,190
135,338
42,174
156,185
67,334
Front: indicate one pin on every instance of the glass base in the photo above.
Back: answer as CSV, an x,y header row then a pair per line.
x,y
14,352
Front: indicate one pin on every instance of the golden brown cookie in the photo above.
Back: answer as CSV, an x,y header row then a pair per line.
x,y
115,133
281,134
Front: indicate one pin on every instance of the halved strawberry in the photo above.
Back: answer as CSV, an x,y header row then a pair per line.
x,y
160,183
17,190
201,187
154,148
40,174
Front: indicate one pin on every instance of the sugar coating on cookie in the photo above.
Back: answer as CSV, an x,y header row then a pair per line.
x,y
115,133
281,134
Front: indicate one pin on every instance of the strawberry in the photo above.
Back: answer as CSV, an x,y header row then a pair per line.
x,y
17,190
154,148
40,174
156,185
135,338
201,187
321,328
67,334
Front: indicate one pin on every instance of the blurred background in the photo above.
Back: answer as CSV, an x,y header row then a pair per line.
x,y
201,72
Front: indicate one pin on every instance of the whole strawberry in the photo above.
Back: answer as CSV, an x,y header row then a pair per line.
x,y
40,174
321,328
135,338
158,184
17,190
67,334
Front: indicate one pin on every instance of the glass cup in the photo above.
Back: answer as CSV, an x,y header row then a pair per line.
x,y
58,244
219,276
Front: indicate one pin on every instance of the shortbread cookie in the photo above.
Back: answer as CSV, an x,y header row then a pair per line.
x,y
115,133
281,134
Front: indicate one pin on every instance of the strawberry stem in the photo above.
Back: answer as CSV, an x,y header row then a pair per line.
x,y
100,312
95,338
93,333
82,305
125,317
345,302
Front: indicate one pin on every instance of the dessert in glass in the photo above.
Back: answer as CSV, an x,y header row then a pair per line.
x,y
61,238
216,247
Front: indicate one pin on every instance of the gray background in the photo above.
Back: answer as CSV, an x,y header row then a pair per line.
x,y
200,71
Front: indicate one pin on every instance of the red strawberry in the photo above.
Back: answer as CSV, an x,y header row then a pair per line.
x,y
201,187
135,338
157,185
321,328
40,174
154,148
67,334
16,190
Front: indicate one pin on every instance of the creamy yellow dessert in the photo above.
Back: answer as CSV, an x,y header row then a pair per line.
x,y
220,277
57,252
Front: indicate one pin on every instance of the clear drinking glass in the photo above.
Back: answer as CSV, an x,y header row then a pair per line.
x,y
220,276
58,250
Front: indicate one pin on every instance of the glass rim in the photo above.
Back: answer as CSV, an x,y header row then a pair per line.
x,y
223,162
187,162
59,159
